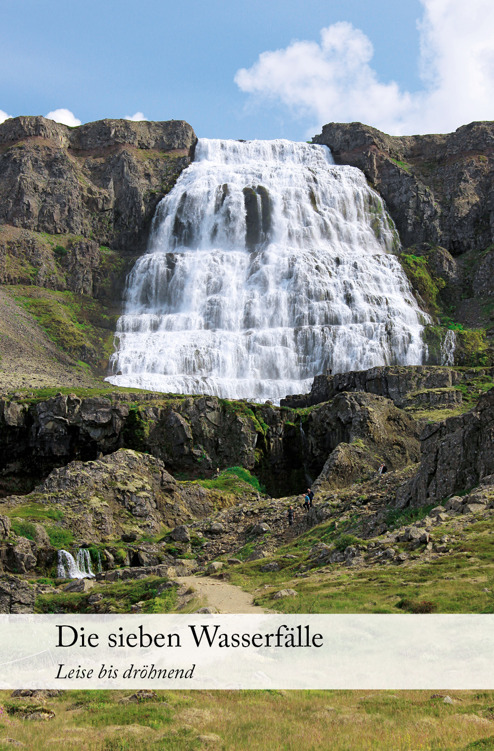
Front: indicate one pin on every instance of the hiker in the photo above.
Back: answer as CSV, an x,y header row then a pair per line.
x,y
311,497
306,503
290,515
382,469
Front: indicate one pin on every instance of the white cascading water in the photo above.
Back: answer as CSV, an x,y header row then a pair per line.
x,y
70,568
267,265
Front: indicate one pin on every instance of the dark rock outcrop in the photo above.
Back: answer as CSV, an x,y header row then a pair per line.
x,y
455,455
16,595
198,434
101,180
438,188
123,494
400,384
349,437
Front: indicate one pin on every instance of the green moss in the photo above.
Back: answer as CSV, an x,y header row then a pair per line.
x,y
422,280
402,165
36,511
472,348
233,480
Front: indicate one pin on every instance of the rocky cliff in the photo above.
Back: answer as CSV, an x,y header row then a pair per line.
x,y
196,435
101,181
455,456
438,188
76,206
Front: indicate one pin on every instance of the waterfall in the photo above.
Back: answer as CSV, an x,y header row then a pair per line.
x,y
267,265
448,347
70,568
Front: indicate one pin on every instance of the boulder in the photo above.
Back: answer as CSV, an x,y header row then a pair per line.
x,y
214,567
16,595
20,557
180,534
282,593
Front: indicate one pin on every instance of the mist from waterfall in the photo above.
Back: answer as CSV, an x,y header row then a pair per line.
x,y
267,265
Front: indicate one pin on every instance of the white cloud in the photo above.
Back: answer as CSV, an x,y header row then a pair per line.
x,y
137,117
64,116
3,116
334,80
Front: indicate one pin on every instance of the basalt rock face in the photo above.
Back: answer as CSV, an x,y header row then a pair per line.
x,y
438,188
400,384
353,434
455,455
190,434
101,180
196,435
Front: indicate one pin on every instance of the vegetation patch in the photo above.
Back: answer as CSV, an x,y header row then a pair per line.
x,y
117,597
422,280
232,480
80,325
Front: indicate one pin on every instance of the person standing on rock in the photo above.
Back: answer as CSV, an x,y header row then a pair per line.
x,y
311,497
290,515
306,502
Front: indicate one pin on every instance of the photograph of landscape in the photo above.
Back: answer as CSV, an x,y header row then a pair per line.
x,y
247,346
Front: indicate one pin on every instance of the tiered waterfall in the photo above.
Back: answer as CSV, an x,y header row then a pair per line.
x,y
267,264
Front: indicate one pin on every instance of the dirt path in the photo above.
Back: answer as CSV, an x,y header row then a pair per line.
x,y
226,598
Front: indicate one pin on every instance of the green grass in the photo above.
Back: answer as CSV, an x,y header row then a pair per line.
x,y
458,582
60,538
232,480
80,325
273,720
36,512
23,529
118,598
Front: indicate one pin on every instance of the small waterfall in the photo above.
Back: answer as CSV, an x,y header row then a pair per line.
x,y
448,347
267,265
99,565
70,568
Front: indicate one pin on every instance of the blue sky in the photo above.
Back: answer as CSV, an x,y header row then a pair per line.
x,y
257,69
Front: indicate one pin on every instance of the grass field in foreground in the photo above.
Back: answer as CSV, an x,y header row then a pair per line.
x,y
255,721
